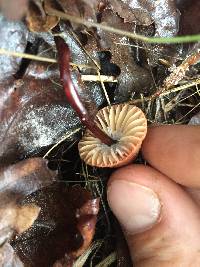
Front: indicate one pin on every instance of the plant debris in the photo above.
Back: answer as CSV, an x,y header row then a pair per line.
x,y
61,218
64,228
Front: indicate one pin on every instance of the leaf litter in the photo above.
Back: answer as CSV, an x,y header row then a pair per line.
x,y
36,120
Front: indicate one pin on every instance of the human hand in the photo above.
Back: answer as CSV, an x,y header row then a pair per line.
x,y
158,207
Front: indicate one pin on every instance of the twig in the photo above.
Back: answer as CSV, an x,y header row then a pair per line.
x,y
177,39
173,90
179,72
96,78
86,78
103,87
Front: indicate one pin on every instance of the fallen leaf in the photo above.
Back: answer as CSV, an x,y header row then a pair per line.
x,y
17,35
163,13
23,178
190,16
120,58
195,120
80,8
33,114
8,257
37,20
64,228
16,182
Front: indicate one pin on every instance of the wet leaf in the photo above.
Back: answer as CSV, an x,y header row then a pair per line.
x,y
195,120
119,61
17,35
80,8
163,13
65,226
8,257
190,16
23,178
33,114
16,182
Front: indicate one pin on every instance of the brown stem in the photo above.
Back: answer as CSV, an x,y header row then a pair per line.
x,y
72,94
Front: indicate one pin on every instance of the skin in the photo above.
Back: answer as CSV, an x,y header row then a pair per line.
x,y
173,153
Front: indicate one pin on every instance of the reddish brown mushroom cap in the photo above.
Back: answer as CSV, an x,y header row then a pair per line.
x,y
124,123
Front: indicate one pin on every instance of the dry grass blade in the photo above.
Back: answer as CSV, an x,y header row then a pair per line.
x,y
108,260
83,258
60,141
39,58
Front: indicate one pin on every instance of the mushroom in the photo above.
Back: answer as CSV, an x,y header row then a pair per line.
x,y
114,137
124,123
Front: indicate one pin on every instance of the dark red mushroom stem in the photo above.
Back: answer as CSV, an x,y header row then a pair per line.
x,y
72,94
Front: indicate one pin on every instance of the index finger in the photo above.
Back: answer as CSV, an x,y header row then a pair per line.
x,y
174,150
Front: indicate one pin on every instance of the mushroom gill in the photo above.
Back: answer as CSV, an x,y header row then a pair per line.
x,y
124,123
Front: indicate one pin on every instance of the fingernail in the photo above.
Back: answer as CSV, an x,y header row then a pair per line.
x,y
136,207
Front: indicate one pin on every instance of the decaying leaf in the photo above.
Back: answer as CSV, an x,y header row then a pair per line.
x,y
16,182
8,257
23,178
64,228
195,120
190,16
131,77
80,8
163,13
37,20
132,11
33,114
18,218
17,35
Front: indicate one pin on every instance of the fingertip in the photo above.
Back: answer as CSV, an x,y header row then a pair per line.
x,y
151,208
175,151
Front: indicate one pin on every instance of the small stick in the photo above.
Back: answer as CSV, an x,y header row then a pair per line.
x,y
178,73
72,94
84,77
96,78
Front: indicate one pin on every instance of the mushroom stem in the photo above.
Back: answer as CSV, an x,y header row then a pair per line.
x,y
72,94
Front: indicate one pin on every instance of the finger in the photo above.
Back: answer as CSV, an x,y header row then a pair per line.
x,y
175,151
160,221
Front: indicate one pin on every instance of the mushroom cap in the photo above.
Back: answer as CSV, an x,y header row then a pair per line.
x,y
124,123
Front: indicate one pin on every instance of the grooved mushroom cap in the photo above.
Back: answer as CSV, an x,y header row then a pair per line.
x,y
124,123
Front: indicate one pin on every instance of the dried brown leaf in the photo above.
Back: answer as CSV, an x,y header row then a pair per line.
x,y
23,178
16,182
163,13
190,17
18,218
80,8
64,228
37,20
130,72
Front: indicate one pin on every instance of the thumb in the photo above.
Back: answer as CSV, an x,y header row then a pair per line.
x,y
160,221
